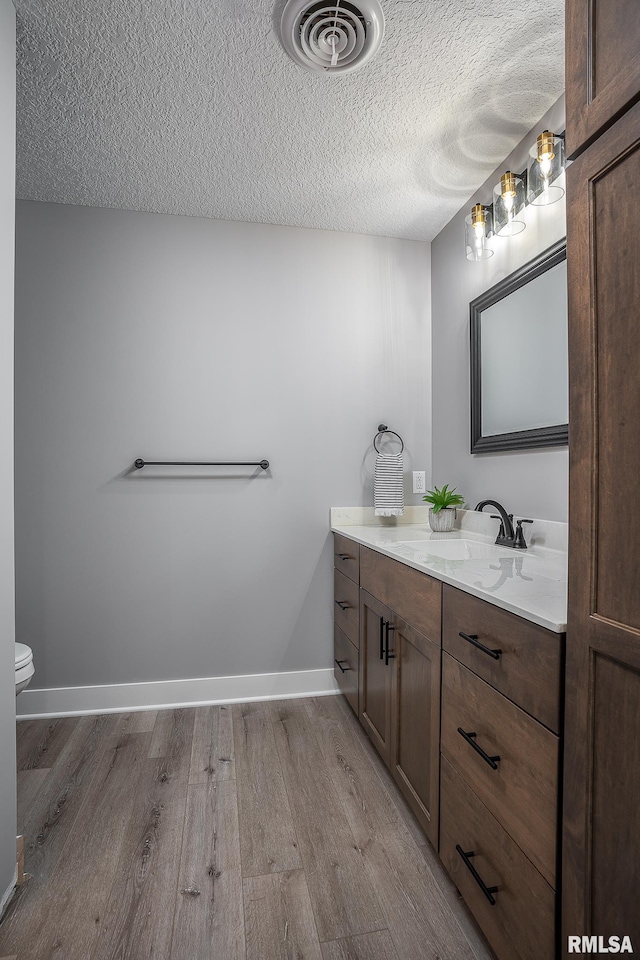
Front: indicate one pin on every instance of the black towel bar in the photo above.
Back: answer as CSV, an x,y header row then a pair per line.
x,y
140,463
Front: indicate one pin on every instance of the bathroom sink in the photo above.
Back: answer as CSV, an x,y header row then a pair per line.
x,y
457,549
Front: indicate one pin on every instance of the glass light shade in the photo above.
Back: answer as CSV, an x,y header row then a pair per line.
x,y
546,163
477,227
508,201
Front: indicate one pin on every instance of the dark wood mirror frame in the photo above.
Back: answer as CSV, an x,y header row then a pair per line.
x,y
555,435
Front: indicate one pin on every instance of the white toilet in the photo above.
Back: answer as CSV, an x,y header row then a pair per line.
x,y
24,666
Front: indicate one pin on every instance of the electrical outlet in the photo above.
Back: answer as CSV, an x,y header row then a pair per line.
x,y
419,483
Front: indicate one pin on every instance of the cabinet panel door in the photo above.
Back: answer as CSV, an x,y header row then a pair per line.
x,y
416,724
601,839
375,674
602,66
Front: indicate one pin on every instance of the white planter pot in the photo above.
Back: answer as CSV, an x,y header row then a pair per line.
x,y
443,520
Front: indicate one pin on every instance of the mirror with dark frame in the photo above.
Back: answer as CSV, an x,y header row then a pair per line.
x,y
519,358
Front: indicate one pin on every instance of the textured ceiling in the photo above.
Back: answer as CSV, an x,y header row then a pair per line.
x,y
192,107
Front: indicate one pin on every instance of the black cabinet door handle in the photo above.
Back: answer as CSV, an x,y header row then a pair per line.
x,y
344,556
492,761
342,604
388,627
340,662
473,639
488,891
382,623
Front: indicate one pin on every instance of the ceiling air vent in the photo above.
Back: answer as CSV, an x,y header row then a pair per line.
x,y
332,37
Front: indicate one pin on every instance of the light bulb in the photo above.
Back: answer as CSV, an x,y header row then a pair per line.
x,y
476,227
508,200
479,222
508,192
545,167
546,153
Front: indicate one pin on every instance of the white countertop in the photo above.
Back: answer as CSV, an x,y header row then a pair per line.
x,y
531,583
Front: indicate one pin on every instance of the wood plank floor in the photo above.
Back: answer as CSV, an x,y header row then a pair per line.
x,y
262,831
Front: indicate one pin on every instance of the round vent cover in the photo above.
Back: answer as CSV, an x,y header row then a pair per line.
x,y
332,37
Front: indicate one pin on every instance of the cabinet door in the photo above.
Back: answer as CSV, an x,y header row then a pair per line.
x,y
601,839
602,66
376,672
416,724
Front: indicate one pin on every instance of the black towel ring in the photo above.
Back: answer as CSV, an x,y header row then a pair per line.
x,y
383,428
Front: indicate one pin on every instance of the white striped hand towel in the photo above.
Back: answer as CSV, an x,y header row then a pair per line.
x,y
388,486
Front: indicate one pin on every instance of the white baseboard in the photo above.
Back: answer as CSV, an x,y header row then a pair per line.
x,y
166,694
6,896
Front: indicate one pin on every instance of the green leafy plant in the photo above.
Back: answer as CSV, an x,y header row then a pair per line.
x,y
443,498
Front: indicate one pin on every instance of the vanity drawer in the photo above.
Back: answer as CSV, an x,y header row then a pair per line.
x,y
415,597
528,669
521,787
520,925
346,606
345,667
346,557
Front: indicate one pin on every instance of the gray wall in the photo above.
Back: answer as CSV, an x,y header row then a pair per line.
x,y
7,658
532,483
182,338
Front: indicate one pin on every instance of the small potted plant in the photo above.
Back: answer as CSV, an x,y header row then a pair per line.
x,y
443,507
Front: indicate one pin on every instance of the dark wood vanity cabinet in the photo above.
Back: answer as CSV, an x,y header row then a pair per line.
x,y
601,821
463,702
602,66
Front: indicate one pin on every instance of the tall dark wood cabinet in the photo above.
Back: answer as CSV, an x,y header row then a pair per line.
x,y
601,811
602,66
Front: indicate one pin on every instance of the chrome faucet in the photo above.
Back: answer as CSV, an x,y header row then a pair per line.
x,y
507,537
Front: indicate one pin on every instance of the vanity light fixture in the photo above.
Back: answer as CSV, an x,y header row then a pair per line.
x,y
546,163
477,227
536,184
509,198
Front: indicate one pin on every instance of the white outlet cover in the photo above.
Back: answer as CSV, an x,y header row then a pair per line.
x,y
419,482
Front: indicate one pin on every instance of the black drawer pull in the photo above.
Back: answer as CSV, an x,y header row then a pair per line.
x,y
343,604
488,891
473,639
344,556
492,761
340,662
388,626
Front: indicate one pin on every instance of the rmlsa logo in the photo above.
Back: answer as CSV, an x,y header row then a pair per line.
x,y
598,945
